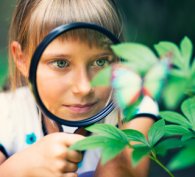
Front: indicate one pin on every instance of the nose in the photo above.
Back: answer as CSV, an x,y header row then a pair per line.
x,y
82,85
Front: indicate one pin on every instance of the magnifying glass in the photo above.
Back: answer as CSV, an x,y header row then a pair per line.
x,y
61,66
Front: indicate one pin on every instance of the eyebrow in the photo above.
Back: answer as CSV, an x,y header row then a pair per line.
x,y
60,55
53,55
102,54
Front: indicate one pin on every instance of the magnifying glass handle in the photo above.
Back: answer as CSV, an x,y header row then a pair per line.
x,y
87,174
82,131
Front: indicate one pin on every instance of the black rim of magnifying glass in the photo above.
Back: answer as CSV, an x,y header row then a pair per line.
x,y
35,60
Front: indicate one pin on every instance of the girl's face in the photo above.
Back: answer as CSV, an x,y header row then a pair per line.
x,y
63,78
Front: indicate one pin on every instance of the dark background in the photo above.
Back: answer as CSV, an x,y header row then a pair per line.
x,y
147,22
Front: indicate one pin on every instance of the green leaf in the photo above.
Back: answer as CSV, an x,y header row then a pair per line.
x,y
3,68
178,73
111,150
109,131
183,159
110,147
102,78
193,69
186,51
173,94
166,48
130,110
171,130
138,154
139,55
176,118
166,145
188,108
156,132
91,142
187,136
134,135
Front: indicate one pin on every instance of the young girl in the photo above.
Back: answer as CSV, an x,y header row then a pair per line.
x,y
30,146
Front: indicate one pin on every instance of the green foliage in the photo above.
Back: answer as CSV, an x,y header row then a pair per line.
x,y
184,158
162,147
176,118
138,153
184,125
188,109
181,74
130,111
102,78
139,57
110,140
108,131
156,132
180,84
3,69
134,135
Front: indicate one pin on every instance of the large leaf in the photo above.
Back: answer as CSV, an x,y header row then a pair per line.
x,y
103,78
176,118
134,135
111,150
137,54
130,111
91,142
166,145
187,136
188,108
179,73
173,94
186,51
138,154
171,130
156,132
193,69
109,131
184,158
110,147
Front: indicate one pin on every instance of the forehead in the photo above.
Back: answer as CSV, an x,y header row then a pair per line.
x,y
73,47
92,37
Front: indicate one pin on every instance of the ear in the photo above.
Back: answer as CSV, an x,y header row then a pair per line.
x,y
20,59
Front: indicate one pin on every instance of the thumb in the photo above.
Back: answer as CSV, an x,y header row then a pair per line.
x,y
70,139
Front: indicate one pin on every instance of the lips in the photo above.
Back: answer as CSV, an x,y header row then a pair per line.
x,y
80,108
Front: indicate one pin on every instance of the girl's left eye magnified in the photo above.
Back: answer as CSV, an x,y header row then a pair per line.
x,y
102,62
60,64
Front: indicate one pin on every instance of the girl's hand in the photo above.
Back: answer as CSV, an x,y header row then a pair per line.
x,y
49,157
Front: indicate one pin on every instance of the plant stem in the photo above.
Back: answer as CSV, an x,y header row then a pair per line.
x,y
154,158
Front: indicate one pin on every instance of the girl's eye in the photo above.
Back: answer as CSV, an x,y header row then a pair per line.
x,y
102,62
60,64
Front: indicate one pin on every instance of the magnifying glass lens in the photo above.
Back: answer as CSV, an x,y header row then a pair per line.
x,y
64,72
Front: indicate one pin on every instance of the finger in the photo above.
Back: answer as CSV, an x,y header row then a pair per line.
x,y
74,156
70,139
70,167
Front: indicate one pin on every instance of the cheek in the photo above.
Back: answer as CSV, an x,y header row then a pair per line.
x,y
103,93
50,89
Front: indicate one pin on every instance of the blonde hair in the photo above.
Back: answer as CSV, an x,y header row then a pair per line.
x,y
34,19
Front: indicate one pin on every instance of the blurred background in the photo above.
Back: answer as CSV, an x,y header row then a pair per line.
x,y
6,8
146,21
